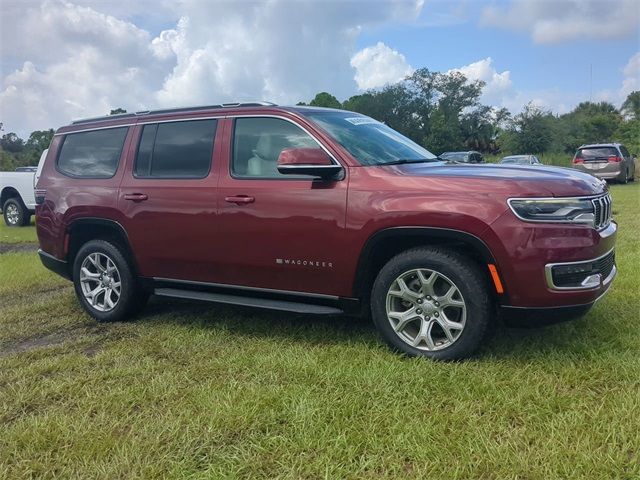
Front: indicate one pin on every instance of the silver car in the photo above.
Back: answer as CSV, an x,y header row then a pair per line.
x,y
609,161
521,160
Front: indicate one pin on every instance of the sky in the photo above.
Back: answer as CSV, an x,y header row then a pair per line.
x,y
62,60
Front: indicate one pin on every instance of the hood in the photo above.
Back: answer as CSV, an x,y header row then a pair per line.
x,y
514,180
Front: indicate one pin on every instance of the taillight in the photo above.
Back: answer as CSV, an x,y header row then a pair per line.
x,y
578,160
614,159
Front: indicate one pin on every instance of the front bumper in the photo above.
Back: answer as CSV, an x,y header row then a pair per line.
x,y
525,253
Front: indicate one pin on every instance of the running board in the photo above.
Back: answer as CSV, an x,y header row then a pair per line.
x,y
271,304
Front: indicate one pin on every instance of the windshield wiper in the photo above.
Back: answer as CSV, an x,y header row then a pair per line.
x,y
403,161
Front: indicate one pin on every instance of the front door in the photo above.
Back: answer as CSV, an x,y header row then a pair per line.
x,y
280,232
168,198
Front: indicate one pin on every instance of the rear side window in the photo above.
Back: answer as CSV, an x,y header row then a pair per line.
x,y
176,149
625,152
94,154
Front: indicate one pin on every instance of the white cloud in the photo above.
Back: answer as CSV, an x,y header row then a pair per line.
x,y
631,72
497,83
562,20
73,60
378,66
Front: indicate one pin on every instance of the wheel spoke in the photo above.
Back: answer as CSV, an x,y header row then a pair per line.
x,y
427,282
86,274
403,318
424,335
447,299
404,291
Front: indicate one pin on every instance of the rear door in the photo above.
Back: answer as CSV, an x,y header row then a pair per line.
x,y
168,198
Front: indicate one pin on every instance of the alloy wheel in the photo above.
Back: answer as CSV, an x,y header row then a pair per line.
x,y
426,309
13,215
100,282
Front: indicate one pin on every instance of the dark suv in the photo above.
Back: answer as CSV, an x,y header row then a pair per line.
x,y
316,211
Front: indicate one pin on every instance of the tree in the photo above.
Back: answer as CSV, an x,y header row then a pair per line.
x,y
10,142
631,106
587,123
324,99
117,111
39,140
530,132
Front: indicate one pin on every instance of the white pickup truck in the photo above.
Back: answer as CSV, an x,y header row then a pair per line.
x,y
17,199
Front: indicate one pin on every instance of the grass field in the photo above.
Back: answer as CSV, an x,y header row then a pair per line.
x,y
202,391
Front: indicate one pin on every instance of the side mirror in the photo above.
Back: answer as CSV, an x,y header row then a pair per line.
x,y
307,161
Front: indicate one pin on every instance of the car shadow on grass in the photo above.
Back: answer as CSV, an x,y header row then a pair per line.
x,y
505,342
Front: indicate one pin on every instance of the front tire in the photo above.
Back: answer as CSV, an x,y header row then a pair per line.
x,y
104,282
431,302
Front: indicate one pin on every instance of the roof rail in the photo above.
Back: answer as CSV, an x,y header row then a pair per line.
x,y
118,116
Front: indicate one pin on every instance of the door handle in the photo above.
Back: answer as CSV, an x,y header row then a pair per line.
x,y
136,197
240,199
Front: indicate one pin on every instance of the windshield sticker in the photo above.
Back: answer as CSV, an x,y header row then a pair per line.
x,y
361,120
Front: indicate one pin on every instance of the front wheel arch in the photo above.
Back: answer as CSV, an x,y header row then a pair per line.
x,y
385,244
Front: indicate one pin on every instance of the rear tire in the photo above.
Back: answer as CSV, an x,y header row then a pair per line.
x,y
431,302
105,284
15,213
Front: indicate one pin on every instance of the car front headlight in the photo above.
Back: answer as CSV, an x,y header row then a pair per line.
x,y
554,210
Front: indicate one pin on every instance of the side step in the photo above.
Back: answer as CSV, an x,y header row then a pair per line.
x,y
271,304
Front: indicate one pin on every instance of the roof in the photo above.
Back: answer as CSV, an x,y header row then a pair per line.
x,y
589,145
172,110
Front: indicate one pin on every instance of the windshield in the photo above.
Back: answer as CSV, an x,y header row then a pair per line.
x,y
519,159
369,141
456,156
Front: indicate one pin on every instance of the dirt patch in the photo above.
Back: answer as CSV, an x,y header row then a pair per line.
x,y
98,336
18,247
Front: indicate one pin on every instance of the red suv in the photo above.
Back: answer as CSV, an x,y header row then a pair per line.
x,y
317,211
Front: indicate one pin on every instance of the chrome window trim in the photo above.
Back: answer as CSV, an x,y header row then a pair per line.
x,y
281,117
211,117
549,273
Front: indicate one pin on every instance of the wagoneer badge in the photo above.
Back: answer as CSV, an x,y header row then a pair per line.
x,y
304,263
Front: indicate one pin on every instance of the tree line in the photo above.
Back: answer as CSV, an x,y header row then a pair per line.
x,y
443,112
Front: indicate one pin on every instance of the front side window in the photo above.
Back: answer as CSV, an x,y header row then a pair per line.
x,y
257,143
370,142
176,149
93,154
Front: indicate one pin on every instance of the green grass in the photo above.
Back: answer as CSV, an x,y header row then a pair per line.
x,y
201,391
17,234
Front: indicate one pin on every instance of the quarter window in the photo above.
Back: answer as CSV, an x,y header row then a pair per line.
x,y
176,149
257,144
93,154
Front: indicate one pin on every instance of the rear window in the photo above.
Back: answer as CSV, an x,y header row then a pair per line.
x,y
94,154
176,149
597,153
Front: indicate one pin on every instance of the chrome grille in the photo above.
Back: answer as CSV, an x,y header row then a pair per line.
x,y
602,211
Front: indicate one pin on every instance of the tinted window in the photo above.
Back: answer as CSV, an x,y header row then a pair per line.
x,y
257,143
176,149
92,154
624,151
